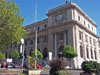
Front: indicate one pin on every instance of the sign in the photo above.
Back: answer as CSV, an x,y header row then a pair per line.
x,y
50,55
9,60
20,48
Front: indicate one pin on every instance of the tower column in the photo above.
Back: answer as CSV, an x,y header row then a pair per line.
x,y
55,45
64,38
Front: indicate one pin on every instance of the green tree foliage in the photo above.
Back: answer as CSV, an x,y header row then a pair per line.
x,y
38,53
11,28
2,55
31,61
91,67
15,54
69,52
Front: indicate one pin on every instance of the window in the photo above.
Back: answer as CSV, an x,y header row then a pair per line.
x,y
45,26
90,40
37,40
95,54
45,38
81,52
31,42
80,35
91,54
45,53
88,26
86,38
87,52
92,28
38,28
84,22
25,42
61,36
79,18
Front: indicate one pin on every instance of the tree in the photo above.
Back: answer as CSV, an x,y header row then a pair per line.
x,y
2,55
38,53
69,52
11,28
15,54
31,61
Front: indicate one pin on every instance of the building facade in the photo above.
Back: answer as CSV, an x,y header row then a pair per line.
x,y
66,24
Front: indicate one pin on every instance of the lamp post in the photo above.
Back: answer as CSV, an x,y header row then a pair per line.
x,y
22,51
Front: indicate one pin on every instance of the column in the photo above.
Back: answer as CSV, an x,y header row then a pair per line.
x,y
93,53
56,45
84,46
97,50
64,38
78,47
89,48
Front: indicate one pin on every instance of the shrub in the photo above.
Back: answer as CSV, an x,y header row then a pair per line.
x,y
23,74
57,65
90,67
63,72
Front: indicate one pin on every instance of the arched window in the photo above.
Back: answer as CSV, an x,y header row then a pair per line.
x,y
60,51
87,52
91,53
30,52
25,53
81,51
45,53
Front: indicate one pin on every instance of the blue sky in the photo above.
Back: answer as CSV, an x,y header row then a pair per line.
x,y
27,8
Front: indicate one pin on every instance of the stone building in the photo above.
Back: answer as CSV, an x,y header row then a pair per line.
x,y
66,24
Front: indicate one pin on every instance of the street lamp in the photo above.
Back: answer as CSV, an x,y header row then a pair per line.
x,y
22,51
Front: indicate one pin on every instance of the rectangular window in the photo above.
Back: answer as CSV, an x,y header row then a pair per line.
x,y
25,42
31,42
37,40
84,22
79,18
80,35
38,28
61,36
88,26
92,28
90,40
45,26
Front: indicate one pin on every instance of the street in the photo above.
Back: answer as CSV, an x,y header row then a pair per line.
x,y
14,71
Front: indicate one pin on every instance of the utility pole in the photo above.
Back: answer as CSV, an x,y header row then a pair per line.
x,y
36,37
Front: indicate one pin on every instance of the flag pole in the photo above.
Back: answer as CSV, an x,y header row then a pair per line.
x,y
36,37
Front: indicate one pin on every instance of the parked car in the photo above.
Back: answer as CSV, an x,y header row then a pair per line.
x,y
10,65
16,66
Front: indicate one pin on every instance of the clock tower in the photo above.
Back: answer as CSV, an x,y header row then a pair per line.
x,y
59,15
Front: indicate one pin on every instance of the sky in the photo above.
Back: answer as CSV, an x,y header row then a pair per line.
x,y
27,8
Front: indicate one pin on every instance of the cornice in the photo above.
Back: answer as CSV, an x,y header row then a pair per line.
x,y
85,28
37,23
84,14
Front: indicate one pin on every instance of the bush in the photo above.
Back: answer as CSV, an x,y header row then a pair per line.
x,y
57,65
23,74
91,67
63,72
